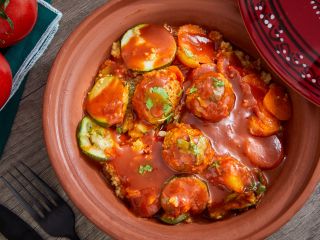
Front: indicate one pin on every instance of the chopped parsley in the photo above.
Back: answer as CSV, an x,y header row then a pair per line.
x,y
188,52
145,168
261,189
167,108
119,130
258,188
193,90
169,118
195,149
160,91
149,103
183,144
216,164
217,82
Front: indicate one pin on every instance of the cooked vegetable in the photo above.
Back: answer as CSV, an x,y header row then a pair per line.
x,y
174,220
258,87
181,151
262,123
210,97
183,195
186,149
266,154
231,173
109,68
277,102
194,46
94,141
108,100
146,47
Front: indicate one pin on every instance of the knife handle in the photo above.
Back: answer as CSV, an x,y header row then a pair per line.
x,y
14,228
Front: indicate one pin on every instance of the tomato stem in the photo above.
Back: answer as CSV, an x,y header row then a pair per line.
x,y
3,5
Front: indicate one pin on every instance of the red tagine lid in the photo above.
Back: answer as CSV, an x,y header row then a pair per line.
x,y
287,34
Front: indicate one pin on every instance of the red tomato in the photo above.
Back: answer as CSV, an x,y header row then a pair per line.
x,y
5,80
23,14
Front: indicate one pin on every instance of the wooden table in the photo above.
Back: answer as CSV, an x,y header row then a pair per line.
x,y
26,142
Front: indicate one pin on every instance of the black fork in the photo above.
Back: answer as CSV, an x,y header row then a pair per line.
x,y
45,206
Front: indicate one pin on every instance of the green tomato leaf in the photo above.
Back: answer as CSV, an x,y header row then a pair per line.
x,y
6,17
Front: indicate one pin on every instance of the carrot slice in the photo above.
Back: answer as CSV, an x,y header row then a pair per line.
x,y
265,153
277,102
194,46
258,87
263,124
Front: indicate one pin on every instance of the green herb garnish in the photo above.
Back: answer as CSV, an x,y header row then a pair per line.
x,y
194,149
216,164
167,109
160,91
217,82
261,189
183,144
188,52
145,168
149,103
119,130
169,118
193,90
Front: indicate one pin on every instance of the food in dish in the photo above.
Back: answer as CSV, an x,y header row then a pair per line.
x,y
186,127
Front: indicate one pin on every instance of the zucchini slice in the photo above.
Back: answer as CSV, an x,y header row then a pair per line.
x,y
146,47
194,46
94,141
108,100
172,220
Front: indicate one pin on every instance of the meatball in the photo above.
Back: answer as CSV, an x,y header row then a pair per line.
x,y
158,94
186,149
184,195
210,97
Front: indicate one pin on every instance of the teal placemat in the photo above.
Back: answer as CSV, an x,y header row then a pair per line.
x,y
22,57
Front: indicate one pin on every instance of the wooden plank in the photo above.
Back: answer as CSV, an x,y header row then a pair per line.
x,y
26,141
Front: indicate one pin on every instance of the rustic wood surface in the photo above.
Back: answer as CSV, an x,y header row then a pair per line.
x,y
26,141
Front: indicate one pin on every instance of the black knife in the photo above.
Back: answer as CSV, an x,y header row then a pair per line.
x,y
14,228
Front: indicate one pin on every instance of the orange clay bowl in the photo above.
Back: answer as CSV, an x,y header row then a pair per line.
x,y
71,77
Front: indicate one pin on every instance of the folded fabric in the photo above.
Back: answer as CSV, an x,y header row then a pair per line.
x,y
22,58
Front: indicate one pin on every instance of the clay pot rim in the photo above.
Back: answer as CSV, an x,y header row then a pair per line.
x,y
73,188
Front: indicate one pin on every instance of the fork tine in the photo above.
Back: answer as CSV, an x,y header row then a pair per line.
x,y
20,198
47,201
51,192
34,201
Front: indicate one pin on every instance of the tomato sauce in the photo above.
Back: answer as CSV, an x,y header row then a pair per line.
x,y
144,173
154,43
106,106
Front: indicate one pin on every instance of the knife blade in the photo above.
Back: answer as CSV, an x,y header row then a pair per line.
x,y
14,228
